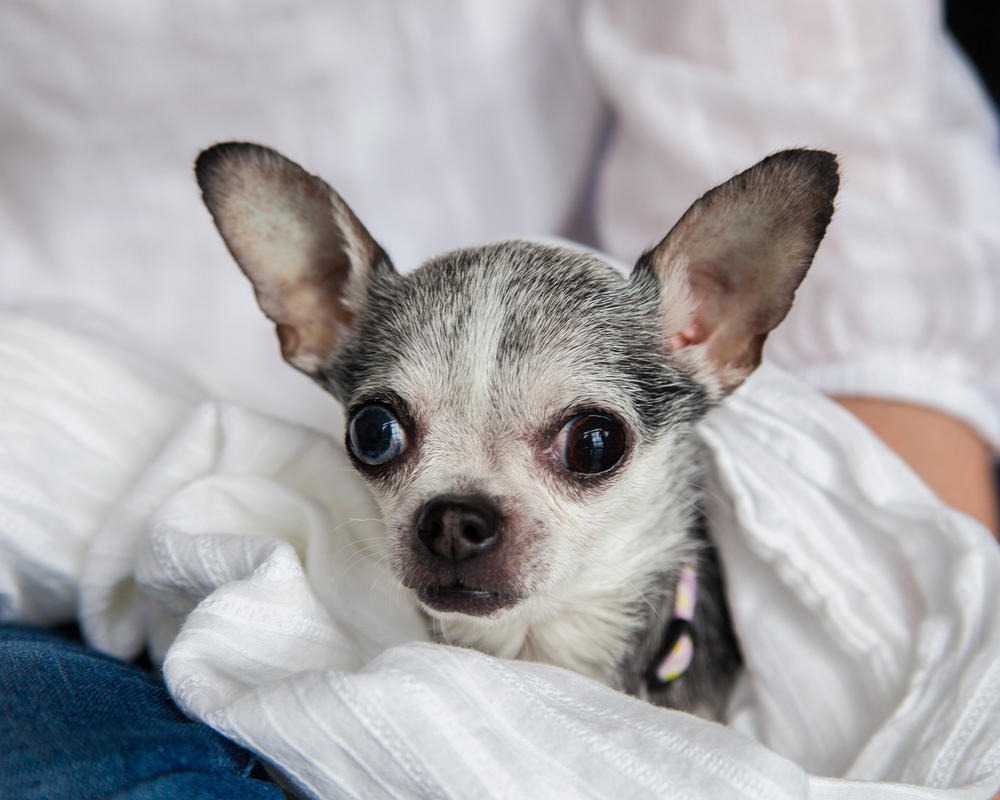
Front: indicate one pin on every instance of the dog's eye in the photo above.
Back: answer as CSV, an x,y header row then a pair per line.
x,y
375,435
590,444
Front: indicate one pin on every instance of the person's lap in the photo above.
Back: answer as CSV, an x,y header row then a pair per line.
x,y
78,724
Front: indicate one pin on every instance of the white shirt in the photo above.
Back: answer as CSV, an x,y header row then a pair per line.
x,y
449,124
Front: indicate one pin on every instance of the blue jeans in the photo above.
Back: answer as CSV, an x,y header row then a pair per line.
x,y
77,724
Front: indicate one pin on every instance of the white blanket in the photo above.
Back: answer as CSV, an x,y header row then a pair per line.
x,y
866,609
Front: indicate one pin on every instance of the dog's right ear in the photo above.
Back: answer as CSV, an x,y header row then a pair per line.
x,y
728,270
306,254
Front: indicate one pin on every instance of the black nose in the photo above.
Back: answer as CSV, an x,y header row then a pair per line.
x,y
458,528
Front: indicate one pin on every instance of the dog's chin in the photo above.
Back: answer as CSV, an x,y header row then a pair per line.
x,y
443,601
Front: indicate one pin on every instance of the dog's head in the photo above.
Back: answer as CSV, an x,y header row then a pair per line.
x,y
522,411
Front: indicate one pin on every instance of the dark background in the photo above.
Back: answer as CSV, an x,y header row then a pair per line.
x,y
976,26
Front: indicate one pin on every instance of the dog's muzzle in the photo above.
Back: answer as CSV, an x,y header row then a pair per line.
x,y
457,537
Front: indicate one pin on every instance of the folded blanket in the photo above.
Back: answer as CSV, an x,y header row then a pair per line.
x,y
865,608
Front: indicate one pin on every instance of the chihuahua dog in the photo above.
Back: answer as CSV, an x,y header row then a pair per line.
x,y
525,415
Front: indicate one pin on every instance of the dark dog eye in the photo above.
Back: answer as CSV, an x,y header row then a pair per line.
x,y
375,435
590,444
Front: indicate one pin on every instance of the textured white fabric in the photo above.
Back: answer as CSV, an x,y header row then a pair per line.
x,y
67,450
865,607
451,123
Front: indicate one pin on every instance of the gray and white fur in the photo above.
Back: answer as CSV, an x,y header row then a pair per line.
x,y
524,414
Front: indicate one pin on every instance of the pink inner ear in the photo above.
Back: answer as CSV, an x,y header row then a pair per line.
x,y
708,286
691,334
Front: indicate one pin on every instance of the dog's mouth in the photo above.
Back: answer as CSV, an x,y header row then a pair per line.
x,y
459,598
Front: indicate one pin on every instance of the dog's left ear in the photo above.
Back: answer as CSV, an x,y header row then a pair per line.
x,y
728,270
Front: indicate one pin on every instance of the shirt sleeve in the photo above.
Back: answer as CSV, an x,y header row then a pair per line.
x,y
902,301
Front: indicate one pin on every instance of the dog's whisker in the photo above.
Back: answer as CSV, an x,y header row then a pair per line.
x,y
358,520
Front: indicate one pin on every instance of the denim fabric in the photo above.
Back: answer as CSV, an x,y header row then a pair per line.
x,y
77,724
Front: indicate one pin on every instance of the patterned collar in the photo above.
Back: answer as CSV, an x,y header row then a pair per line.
x,y
677,649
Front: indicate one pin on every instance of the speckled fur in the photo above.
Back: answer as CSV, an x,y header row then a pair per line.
x,y
521,334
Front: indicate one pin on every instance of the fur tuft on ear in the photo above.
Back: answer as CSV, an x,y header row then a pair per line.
x,y
728,270
307,255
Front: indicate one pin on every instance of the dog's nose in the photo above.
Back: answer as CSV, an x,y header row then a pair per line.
x,y
458,528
